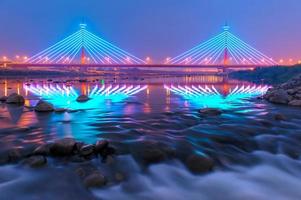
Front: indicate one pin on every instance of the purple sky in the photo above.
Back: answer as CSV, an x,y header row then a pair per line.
x,y
156,28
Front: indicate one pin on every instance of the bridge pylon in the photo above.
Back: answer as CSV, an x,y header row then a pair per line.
x,y
225,49
84,47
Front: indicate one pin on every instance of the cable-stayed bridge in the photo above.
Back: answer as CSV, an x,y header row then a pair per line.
x,y
85,49
224,49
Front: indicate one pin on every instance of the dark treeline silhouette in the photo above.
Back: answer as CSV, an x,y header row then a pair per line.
x,y
269,75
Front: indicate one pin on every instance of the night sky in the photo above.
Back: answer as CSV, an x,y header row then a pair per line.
x,y
155,28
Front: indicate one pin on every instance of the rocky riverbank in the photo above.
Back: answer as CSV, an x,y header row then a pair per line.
x,y
288,93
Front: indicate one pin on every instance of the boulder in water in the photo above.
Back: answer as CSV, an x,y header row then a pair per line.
x,y
199,164
60,110
43,106
279,96
3,98
15,99
210,111
82,98
295,102
36,161
152,155
63,147
86,150
95,179
279,117
288,93
101,145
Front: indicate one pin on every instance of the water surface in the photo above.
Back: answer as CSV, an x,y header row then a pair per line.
x,y
255,154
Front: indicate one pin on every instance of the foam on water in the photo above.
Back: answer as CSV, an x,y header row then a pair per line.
x,y
277,178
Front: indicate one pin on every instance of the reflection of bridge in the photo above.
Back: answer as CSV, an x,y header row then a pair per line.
x,y
84,49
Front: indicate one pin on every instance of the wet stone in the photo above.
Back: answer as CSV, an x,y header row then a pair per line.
x,y
86,150
43,106
80,172
295,103
82,98
108,151
36,161
101,145
63,147
60,110
3,98
119,177
210,112
42,150
15,99
151,156
15,155
199,164
95,179
279,117
77,147
4,158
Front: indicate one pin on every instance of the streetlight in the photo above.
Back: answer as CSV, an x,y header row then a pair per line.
x,y
148,60
167,60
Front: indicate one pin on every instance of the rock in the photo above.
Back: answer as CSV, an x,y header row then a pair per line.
x,y
4,158
82,98
86,150
151,156
279,117
15,155
278,96
3,98
298,96
95,180
15,99
60,110
288,93
291,91
42,150
63,147
107,152
295,103
77,147
199,164
210,111
119,177
80,172
36,161
43,106
101,145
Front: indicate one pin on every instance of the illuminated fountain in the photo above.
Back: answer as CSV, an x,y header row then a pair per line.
x,y
65,96
210,96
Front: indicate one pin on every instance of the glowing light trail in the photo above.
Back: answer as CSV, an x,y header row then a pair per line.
x,y
203,91
65,96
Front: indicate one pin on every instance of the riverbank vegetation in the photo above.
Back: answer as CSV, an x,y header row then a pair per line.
x,y
270,75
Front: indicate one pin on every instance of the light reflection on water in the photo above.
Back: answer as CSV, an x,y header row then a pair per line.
x,y
122,106
245,134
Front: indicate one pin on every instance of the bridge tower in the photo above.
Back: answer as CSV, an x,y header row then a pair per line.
x,y
226,51
83,54
226,87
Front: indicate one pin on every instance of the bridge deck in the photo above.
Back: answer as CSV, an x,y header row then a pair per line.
x,y
132,66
